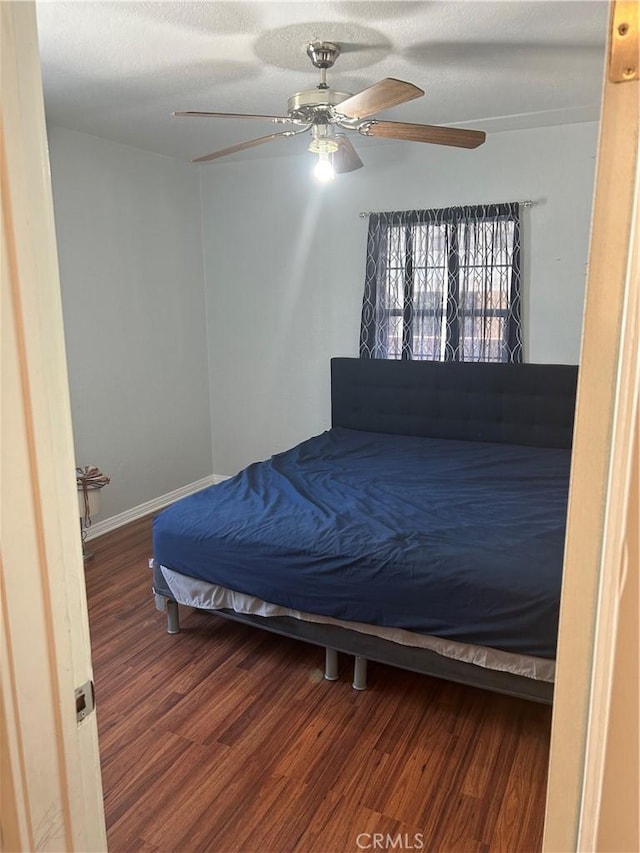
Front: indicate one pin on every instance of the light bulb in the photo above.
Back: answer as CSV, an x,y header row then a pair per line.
x,y
324,169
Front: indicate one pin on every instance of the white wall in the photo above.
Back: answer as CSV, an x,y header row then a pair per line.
x,y
284,266
129,235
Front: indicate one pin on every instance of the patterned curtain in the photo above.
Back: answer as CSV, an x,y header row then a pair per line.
x,y
443,285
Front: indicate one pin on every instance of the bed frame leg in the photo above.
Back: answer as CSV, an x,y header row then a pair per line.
x,y
331,664
359,673
173,617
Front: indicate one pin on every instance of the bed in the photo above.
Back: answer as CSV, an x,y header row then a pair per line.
x,y
424,529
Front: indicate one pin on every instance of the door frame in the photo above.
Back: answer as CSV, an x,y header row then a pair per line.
x,y
600,521
50,768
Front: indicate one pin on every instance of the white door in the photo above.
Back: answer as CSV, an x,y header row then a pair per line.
x,y
50,767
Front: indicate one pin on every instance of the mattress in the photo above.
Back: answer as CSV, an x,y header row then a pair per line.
x,y
205,596
461,540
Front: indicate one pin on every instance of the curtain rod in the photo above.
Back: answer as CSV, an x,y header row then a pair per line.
x,y
528,203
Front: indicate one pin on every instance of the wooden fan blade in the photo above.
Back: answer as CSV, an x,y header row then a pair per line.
x,y
382,95
240,147
346,158
455,136
196,114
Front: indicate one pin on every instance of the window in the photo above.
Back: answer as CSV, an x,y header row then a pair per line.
x,y
443,285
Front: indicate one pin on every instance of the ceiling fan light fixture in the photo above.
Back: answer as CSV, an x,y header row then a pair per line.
x,y
323,140
323,146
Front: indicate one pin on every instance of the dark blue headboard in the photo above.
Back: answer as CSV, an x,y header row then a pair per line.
x,y
474,401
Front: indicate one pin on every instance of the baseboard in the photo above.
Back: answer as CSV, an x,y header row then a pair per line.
x,y
108,524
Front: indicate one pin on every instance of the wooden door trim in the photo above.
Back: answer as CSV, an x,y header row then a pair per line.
x,y
588,573
50,766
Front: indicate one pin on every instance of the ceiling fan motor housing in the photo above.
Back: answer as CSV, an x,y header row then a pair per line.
x,y
307,105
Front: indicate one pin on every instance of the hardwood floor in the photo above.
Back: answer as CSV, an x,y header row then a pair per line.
x,y
227,738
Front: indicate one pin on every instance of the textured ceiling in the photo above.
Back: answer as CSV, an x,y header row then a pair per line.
x,y
119,69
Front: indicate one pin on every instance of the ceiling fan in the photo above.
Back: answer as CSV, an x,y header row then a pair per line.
x,y
326,112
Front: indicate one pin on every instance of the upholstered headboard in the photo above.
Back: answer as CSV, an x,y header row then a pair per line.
x,y
529,404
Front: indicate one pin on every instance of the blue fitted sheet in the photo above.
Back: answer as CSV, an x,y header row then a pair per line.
x,y
458,539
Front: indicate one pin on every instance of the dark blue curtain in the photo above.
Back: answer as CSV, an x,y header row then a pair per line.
x,y
443,285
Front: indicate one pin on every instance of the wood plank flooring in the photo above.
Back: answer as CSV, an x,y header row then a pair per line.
x,y
225,738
